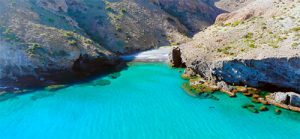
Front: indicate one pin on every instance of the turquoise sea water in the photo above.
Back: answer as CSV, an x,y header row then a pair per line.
x,y
146,101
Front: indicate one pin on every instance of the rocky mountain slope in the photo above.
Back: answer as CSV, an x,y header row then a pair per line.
x,y
257,45
45,37
232,5
31,47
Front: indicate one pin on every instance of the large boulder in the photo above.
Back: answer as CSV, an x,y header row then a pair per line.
x,y
294,99
175,58
281,97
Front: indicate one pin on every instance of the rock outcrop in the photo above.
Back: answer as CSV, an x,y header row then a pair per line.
x,y
287,100
258,45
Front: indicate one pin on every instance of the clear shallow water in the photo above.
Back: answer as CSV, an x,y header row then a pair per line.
x,y
146,101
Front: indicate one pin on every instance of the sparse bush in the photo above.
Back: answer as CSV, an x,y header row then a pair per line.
x,y
295,45
72,42
123,10
118,28
251,45
249,35
236,23
296,29
33,48
108,8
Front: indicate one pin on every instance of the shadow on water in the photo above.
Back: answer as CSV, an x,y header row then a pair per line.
x,y
55,82
7,96
208,96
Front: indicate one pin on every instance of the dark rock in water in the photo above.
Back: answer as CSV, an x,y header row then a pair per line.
x,y
7,96
263,108
205,94
214,98
247,105
209,96
115,75
277,111
255,100
252,109
102,82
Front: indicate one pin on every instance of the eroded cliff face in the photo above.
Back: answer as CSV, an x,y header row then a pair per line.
x,y
32,47
258,45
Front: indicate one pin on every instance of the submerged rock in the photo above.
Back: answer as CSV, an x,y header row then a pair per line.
x,y
252,109
247,105
263,108
189,89
114,75
277,111
55,87
102,82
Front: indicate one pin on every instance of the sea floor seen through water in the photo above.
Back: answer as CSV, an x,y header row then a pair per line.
x,y
144,101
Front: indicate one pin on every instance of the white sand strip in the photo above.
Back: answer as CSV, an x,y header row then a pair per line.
x,y
156,55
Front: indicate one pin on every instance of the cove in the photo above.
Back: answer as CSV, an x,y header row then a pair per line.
x,y
144,101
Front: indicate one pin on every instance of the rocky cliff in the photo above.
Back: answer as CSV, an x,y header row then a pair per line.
x,y
257,45
39,38
32,46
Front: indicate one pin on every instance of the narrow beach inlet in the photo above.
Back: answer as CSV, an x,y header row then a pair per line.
x,y
160,54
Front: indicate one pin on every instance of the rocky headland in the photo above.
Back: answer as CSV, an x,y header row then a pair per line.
x,y
257,46
254,46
